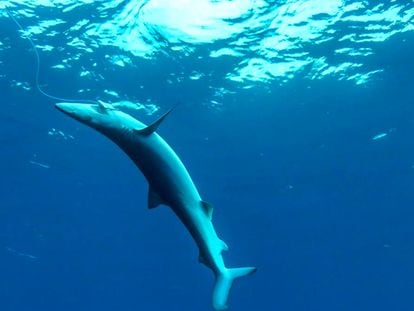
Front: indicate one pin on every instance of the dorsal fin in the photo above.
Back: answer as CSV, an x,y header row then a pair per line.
x,y
154,198
103,107
208,209
154,126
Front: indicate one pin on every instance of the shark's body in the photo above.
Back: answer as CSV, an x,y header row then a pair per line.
x,y
169,181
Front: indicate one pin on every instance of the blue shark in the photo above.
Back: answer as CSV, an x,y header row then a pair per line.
x,y
170,184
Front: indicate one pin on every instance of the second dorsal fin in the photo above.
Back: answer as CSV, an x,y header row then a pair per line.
x,y
154,126
224,246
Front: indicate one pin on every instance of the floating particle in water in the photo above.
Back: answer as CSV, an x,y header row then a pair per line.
x,y
379,136
196,75
112,93
43,165
21,254
119,60
383,134
59,66
149,107
59,134
23,85
84,73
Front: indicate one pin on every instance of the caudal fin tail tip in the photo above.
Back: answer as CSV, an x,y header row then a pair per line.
x,y
224,283
221,307
253,270
239,272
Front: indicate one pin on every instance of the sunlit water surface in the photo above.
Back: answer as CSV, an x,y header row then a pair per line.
x,y
262,42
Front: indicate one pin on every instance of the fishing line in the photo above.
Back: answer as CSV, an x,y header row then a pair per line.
x,y
36,52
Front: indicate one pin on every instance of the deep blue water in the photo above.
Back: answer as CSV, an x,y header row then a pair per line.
x,y
299,136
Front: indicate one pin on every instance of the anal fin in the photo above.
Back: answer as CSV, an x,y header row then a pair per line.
x,y
202,260
208,209
154,198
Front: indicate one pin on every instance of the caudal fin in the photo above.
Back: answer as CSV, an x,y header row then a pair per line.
x,y
224,281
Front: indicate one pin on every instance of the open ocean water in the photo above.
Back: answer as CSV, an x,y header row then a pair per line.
x,y
294,118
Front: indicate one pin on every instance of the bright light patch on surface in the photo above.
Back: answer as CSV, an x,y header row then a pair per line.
x,y
261,70
42,27
197,21
266,42
224,52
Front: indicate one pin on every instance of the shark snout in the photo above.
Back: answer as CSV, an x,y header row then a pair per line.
x,y
81,112
64,107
